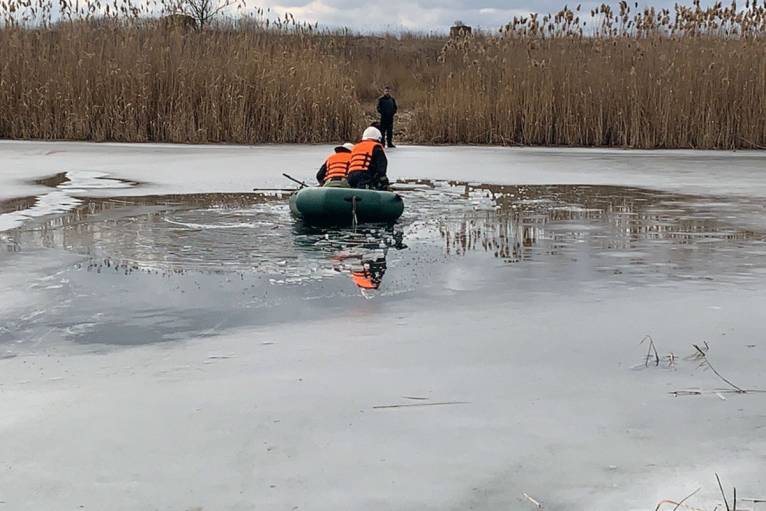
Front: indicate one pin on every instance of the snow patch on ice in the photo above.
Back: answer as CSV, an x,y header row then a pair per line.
x,y
51,203
92,180
60,200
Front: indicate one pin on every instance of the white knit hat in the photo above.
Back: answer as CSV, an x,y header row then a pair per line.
x,y
371,133
348,145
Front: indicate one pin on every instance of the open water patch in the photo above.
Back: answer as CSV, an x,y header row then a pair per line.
x,y
154,268
613,228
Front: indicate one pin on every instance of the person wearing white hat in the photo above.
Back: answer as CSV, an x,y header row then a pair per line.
x,y
334,170
368,165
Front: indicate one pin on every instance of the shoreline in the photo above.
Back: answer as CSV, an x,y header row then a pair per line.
x,y
155,166
520,147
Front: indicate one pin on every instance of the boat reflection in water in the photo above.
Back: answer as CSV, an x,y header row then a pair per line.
x,y
564,227
366,273
360,253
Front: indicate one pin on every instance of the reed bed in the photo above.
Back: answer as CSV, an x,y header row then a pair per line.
x,y
137,82
407,62
690,77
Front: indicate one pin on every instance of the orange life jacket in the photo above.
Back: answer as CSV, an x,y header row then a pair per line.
x,y
364,280
361,155
337,166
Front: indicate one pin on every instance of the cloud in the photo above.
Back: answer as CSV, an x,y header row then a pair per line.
x,y
420,15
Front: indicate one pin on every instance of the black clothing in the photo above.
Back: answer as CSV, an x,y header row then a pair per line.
x,y
321,173
375,176
374,270
387,130
366,181
386,108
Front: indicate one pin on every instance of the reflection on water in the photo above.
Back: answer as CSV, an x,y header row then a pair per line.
x,y
13,205
162,268
370,275
613,228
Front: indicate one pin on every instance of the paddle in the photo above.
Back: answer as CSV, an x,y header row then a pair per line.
x,y
394,188
274,189
405,188
296,180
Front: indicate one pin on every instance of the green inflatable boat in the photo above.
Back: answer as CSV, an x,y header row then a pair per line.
x,y
336,206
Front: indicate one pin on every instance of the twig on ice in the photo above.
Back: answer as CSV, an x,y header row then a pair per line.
x,y
686,498
706,361
723,493
717,392
533,501
411,405
652,349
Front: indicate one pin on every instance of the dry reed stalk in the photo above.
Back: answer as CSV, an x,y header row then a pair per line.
x,y
130,80
94,70
694,78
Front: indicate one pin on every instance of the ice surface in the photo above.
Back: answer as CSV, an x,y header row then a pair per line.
x,y
61,199
269,397
289,419
166,169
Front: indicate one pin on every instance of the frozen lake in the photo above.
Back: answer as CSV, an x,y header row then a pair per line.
x,y
172,340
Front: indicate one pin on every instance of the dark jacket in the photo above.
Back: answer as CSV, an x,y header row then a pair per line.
x,y
386,107
374,174
378,163
321,174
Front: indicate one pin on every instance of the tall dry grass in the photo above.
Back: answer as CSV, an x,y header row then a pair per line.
x,y
406,62
688,77
132,81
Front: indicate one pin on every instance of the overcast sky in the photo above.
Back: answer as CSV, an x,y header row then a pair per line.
x,y
421,15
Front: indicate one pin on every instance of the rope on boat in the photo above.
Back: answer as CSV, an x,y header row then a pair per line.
x,y
353,212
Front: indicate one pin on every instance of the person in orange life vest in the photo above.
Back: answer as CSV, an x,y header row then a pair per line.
x,y
368,165
334,170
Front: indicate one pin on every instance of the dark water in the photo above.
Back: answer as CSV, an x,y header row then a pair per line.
x,y
164,267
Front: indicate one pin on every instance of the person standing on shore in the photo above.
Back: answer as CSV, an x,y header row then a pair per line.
x,y
387,109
